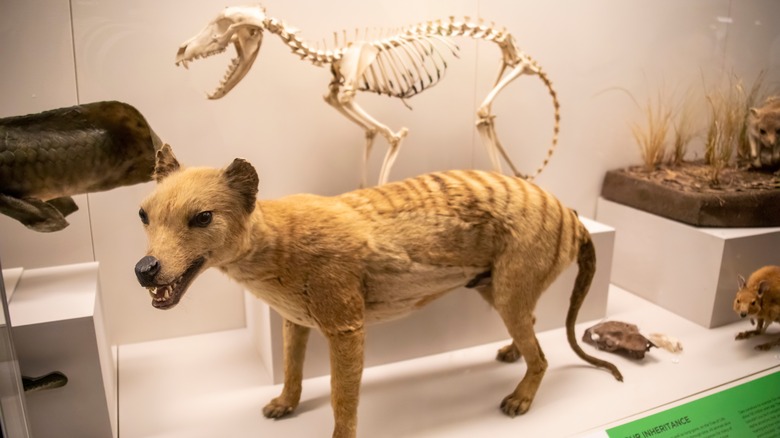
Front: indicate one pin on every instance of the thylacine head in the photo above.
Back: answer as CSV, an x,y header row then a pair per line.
x,y
195,219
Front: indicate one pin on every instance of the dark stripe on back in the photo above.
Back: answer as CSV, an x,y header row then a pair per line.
x,y
383,194
445,190
488,187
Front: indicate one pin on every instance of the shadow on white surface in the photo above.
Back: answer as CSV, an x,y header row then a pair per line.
x,y
215,385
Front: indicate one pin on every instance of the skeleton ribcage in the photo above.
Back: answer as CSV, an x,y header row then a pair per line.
x,y
407,64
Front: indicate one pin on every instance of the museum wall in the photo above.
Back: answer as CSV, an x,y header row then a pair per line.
x,y
598,53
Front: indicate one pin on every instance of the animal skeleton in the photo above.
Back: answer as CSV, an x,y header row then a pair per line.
x,y
401,65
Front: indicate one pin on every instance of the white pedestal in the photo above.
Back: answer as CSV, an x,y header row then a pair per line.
x,y
688,270
458,320
11,278
58,325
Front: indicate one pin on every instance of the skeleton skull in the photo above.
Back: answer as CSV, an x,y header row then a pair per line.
x,y
616,336
240,25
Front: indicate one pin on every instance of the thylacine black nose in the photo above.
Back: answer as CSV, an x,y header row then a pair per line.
x,y
146,269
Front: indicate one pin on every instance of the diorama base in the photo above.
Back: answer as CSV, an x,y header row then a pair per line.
x,y
57,323
665,196
215,385
458,320
689,270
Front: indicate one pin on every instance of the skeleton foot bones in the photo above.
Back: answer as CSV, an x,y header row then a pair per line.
x,y
338,263
401,66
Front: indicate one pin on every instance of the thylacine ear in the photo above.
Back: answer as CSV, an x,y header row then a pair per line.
x,y
242,177
165,163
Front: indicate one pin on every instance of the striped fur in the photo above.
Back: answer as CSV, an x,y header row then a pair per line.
x,y
337,263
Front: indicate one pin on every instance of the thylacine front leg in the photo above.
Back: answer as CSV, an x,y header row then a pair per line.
x,y
336,303
346,368
295,338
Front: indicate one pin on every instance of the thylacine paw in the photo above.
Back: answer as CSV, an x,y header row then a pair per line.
x,y
277,409
514,406
508,353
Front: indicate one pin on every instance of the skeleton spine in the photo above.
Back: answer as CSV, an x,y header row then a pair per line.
x,y
300,47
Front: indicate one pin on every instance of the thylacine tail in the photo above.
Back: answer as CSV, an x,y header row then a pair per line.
x,y
586,261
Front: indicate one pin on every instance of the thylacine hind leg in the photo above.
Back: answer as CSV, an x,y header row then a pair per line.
x,y
513,294
520,325
508,353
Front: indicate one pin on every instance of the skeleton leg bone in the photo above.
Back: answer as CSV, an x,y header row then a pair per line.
x,y
347,102
332,99
344,101
486,119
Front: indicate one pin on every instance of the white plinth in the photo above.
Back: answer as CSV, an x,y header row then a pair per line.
x,y
58,325
688,270
460,319
11,278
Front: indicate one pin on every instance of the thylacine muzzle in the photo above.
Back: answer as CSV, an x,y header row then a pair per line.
x,y
166,295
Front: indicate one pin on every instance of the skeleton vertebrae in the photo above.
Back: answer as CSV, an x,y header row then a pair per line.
x,y
400,65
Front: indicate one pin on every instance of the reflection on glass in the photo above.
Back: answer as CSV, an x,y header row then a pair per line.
x,y
13,421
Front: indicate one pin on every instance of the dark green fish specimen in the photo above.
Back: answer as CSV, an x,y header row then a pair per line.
x,y
47,157
55,379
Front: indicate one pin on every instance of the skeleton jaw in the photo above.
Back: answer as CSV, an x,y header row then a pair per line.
x,y
242,26
236,70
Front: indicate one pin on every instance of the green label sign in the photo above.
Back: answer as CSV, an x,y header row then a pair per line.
x,y
748,410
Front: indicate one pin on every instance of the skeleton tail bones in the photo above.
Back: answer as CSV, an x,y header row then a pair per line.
x,y
400,65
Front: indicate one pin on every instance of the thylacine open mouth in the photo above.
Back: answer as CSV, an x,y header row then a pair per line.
x,y
166,296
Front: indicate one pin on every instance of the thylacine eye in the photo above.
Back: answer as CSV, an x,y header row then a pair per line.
x,y
202,219
143,216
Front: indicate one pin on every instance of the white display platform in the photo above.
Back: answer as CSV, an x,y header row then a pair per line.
x,y
11,278
58,325
214,385
458,320
688,270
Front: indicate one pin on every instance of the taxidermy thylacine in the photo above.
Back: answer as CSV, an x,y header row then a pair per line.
x,y
338,263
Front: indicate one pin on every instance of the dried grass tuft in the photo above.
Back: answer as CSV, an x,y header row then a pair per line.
x,y
684,129
651,137
727,134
